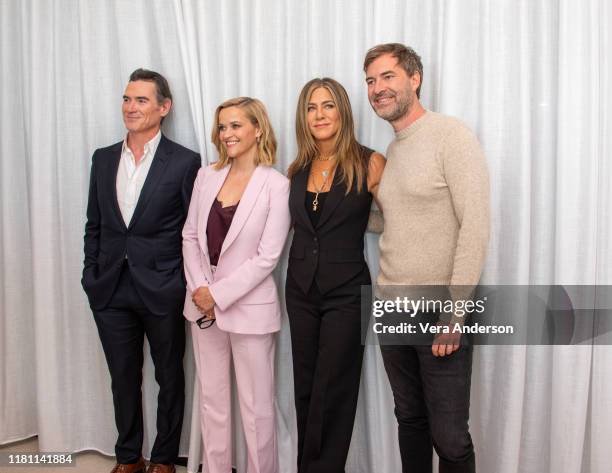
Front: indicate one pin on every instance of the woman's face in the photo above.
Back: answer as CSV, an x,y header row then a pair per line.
x,y
323,116
237,133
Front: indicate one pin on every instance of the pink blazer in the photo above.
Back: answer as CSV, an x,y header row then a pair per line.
x,y
242,286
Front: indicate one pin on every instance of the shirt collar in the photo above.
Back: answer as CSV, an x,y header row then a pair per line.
x,y
150,147
414,126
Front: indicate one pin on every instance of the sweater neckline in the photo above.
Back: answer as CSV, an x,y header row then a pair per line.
x,y
414,126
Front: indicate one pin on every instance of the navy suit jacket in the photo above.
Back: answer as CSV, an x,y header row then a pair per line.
x,y
151,241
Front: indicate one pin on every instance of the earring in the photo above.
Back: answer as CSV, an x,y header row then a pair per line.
x,y
258,138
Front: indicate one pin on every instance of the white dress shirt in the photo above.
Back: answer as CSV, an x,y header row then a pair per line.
x,y
131,176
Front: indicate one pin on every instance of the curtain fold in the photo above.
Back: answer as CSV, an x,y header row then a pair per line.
x,y
532,79
17,353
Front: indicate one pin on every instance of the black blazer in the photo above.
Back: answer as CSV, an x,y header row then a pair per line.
x,y
152,241
333,251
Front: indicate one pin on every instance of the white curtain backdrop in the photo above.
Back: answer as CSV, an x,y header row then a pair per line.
x,y
532,79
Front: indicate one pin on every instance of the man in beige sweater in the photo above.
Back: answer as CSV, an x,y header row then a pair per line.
x,y
434,195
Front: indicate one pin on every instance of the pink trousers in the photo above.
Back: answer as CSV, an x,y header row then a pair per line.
x,y
253,357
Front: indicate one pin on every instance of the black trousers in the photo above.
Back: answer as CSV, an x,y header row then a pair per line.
x,y
432,407
122,327
327,358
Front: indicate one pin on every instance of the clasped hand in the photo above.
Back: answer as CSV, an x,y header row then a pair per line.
x,y
203,300
446,344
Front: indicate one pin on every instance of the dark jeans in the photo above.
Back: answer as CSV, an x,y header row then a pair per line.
x,y
327,358
432,407
122,327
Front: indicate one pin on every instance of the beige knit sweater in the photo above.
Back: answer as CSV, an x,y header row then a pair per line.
x,y
434,195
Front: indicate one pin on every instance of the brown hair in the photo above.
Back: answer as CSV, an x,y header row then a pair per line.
x,y
406,57
256,113
162,89
349,157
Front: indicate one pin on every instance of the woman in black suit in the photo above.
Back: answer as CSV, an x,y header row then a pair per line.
x,y
333,180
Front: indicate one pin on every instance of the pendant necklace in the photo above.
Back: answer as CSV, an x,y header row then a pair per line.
x,y
318,190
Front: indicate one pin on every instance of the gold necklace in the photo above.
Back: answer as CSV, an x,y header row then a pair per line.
x,y
315,203
326,158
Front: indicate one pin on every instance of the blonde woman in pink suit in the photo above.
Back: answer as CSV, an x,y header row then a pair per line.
x,y
234,234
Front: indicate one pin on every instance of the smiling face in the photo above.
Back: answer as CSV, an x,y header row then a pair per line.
x,y
142,113
323,116
391,92
237,133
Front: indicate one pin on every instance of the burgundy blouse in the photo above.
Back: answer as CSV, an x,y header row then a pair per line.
x,y
219,221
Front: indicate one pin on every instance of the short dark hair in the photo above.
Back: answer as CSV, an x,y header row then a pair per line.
x,y
162,88
406,57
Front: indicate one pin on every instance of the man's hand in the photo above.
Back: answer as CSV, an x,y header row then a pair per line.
x,y
445,344
203,300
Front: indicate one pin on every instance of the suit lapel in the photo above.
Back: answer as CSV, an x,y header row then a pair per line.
x,y
156,171
335,196
114,161
247,201
301,183
213,186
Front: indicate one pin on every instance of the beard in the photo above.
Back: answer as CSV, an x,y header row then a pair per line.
x,y
402,105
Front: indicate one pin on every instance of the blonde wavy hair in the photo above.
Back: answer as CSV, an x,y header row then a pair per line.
x,y
256,112
349,157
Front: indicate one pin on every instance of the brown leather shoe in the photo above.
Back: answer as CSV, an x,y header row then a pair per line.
x,y
161,468
138,467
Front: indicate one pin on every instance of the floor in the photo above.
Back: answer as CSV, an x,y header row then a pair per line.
x,y
84,462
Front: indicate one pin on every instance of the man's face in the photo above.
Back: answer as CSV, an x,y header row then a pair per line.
x,y
390,90
141,111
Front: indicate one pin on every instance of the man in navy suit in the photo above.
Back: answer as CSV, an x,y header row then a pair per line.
x,y
139,195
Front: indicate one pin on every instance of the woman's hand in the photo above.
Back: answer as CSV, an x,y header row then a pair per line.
x,y
203,300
